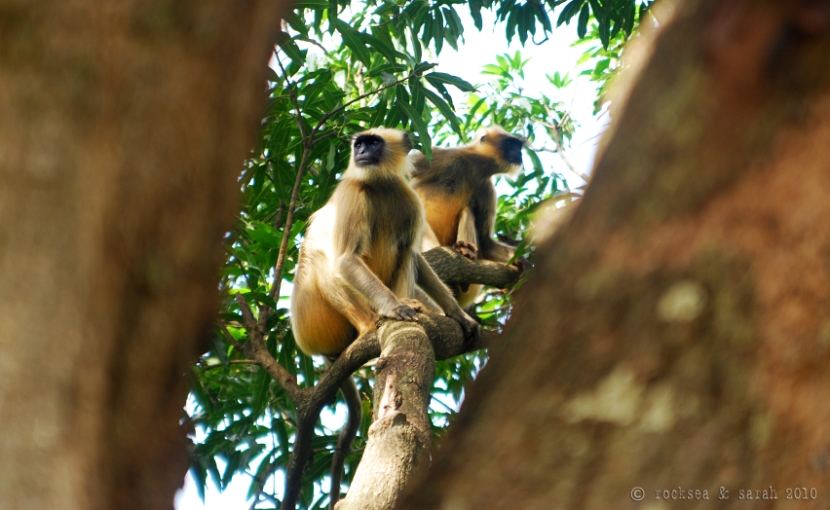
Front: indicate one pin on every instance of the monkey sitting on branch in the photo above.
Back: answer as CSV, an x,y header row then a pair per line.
x,y
459,198
361,260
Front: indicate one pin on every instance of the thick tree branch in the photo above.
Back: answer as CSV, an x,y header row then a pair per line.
x,y
453,268
400,435
447,340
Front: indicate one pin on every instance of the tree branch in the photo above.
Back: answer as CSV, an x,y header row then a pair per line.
x,y
229,362
256,350
454,268
447,340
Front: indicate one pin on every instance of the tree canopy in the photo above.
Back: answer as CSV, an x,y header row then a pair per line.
x,y
339,68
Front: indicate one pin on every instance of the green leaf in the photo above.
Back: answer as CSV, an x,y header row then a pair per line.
x,y
473,110
353,41
260,394
390,53
416,46
512,21
420,126
544,19
330,157
438,30
628,18
429,27
475,13
453,20
307,368
264,234
378,114
416,89
200,474
443,91
534,158
262,298
385,68
524,24
445,109
493,70
386,8
295,22
311,4
423,66
601,16
569,11
218,347
582,24
281,430
287,44
457,82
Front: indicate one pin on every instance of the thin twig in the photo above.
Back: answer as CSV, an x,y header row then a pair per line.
x,y
286,234
280,214
247,314
229,362
256,350
557,131
292,93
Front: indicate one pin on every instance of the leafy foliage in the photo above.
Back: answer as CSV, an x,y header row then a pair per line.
x,y
340,68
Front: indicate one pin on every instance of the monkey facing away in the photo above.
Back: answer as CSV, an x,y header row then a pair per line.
x,y
361,259
459,197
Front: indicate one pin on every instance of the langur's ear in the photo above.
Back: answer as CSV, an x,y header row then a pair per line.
x,y
406,142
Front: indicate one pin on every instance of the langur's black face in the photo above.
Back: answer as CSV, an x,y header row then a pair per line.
x,y
367,150
511,149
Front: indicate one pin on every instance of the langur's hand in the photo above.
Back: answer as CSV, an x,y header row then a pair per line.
x,y
466,249
415,305
400,312
524,266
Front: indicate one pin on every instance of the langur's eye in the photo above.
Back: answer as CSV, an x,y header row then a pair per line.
x,y
483,138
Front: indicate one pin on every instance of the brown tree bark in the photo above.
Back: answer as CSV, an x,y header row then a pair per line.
x,y
454,268
676,332
400,434
123,126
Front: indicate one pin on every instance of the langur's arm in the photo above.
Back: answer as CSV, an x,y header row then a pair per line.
x,y
467,227
484,212
435,288
496,251
466,240
356,273
489,248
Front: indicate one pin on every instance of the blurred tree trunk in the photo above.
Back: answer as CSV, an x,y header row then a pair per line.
x,y
123,126
676,333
